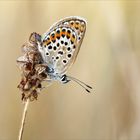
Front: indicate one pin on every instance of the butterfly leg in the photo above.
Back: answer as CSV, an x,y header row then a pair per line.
x,y
49,82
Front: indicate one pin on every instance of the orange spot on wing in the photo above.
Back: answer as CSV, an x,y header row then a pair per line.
x,y
53,38
81,28
63,33
68,34
72,39
57,35
47,42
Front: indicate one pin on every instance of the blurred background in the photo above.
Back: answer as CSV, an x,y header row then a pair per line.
x,y
109,60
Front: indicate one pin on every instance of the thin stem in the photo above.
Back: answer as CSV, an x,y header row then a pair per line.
x,y
23,120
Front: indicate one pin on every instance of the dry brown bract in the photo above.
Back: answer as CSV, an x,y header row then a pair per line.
x,y
32,68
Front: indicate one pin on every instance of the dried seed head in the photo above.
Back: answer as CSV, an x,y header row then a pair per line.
x,y
33,71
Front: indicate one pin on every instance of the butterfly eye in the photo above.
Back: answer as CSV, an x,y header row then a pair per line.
x,y
63,78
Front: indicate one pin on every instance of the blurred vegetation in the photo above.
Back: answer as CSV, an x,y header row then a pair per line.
x,y
109,60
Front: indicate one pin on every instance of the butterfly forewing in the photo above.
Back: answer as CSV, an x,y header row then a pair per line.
x,y
61,44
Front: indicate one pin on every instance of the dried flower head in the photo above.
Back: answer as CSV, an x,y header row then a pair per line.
x,y
33,71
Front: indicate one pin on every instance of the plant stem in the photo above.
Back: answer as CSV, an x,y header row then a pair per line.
x,y
23,120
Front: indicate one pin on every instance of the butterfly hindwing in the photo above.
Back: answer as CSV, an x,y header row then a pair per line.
x,y
61,44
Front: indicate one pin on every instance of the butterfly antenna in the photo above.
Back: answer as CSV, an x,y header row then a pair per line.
x,y
82,84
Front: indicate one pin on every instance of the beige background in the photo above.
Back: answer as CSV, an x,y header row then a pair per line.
x,y
109,60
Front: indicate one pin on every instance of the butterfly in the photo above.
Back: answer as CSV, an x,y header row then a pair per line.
x,y
59,47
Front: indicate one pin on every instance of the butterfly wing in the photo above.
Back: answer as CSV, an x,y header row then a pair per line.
x,y
61,44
